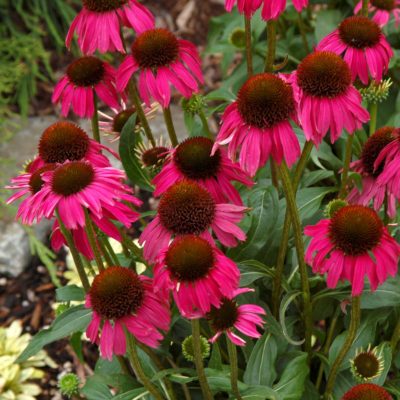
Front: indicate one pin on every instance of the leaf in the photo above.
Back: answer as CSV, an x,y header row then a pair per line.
x,y
326,22
96,389
220,380
251,270
260,393
291,385
73,320
260,368
127,145
76,344
386,295
309,200
215,361
70,293
134,394
286,301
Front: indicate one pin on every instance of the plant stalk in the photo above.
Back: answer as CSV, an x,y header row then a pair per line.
x,y
364,8
373,112
205,124
198,360
95,121
170,126
271,39
249,55
395,338
346,166
354,323
234,368
92,240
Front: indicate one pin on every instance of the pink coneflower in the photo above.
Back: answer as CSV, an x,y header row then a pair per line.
x,y
229,316
113,125
185,209
192,160
75,186
162,60
98,25
382,10
389,159
350,245
272,8
367,391
122,299
85,78
371,191
197,273
326,98
363,46
258,123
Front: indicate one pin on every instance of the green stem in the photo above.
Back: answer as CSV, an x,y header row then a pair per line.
x,y
274,173
205,124
271,39
92,240
346,166
95,121
364,8
354,323
110,250
298,239
137,251
395,338
104,252
286,230
170,126
327,345
198,360
373,111
234,368
249,55
303,33
137,367
75,254
140,112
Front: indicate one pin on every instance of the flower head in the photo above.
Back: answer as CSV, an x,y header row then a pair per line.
x,y
192,160
188,349
122,299
186,208
370,172
367,364
85,77
197,273
162,59
98,25
352,244
230,316
367,391
363,46
382,10
326,98
258,123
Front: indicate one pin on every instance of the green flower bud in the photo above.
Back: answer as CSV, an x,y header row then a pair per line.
x,y
188,350
376,92
193,105
334,206
238,38
69,384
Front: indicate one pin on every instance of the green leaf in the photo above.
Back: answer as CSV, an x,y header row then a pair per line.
x,y
127,145
286,301
215,361
134,394
76,344
260,369
96,389
326,22
220,380
251,270
260,393
291,384
309,200
70,293
386,295
73,320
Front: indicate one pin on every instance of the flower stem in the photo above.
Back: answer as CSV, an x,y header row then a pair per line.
x,y
198,360
110,250
140,112
354,323
95,121
373,111
271,38
205,124
303,32
137,367
395,338
75,254
364,8
298,238
137,251
346,166
92,241
286,230
234,368
170,126
249,55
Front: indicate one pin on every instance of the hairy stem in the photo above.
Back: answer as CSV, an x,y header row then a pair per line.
x,y
234,368
395,338
205,124
364,8
249,55
92,240
198,360
373,111
346,166
298,239
354,323
271,39
170,126
95,121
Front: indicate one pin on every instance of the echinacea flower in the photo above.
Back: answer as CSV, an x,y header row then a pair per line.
x,y
382,10
187,208
326,98
121,299
367,364
352,244
258,123
366,167
367,391
113,125
85,78
363,46
389,160
192,160
77,186
161,59
197,273
98,25
230,316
